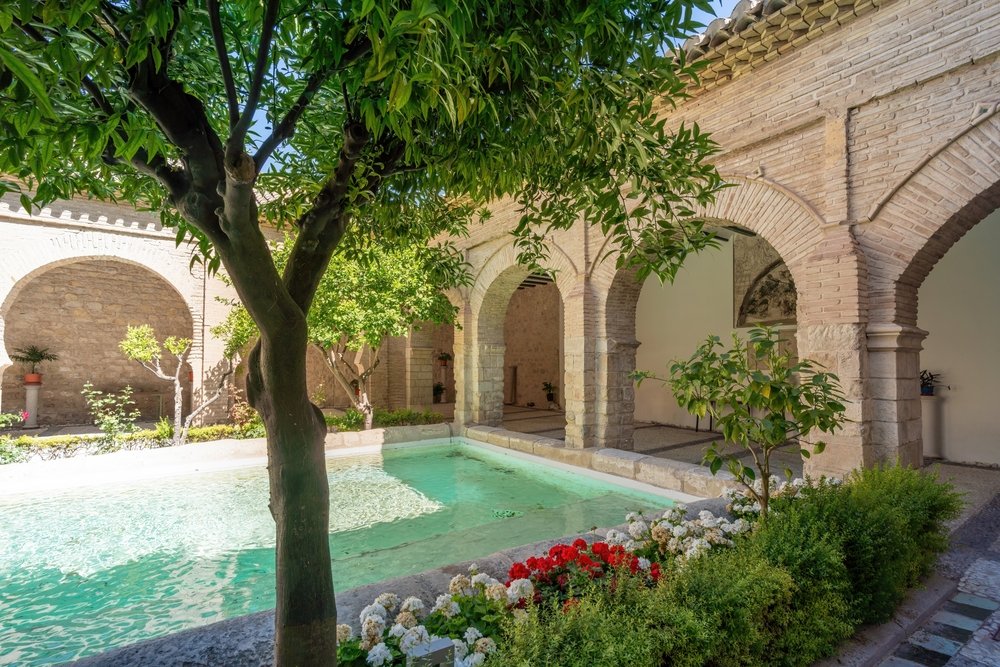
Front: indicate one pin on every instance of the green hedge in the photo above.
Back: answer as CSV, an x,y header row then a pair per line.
x,y
22,448
352,420
786,594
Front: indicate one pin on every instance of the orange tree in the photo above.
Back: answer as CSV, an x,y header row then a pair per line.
x,y
351,120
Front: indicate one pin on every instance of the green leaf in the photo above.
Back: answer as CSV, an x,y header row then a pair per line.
x,y
29,79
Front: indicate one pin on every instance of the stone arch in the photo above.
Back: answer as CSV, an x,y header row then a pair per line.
x,y
78,308
27,260
905,234
479,346
926,213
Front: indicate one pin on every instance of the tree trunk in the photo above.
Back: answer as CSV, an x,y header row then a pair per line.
x,y
178,407
306,613
367,409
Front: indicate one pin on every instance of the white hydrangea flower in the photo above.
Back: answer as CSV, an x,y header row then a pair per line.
x,y
637,529
644,563
472,634
474,568
397,630
682,508
485,645
520,589
615,537
496,592
412,605
459,585
446,606
633,516
379,655
374,609
680,530
413,638
798,483
631,545
461,649
371,632
389,602
483,579
705,515
473,660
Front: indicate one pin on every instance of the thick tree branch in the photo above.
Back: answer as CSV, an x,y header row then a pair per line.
x,y
238,136
222,53
285,128
321,228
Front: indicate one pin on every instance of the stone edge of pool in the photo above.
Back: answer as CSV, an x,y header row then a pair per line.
x,y
138,465
248,641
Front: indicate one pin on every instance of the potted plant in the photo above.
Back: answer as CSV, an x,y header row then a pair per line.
x,y
32,355
444,358
438,391
928,381
550,391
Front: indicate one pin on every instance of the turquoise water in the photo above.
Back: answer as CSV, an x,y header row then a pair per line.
x,y
100,567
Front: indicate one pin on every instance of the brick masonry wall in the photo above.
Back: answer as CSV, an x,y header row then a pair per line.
x,y
80,311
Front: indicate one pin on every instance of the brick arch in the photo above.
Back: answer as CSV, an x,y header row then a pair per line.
x,y
768,209
482,348
812,250
28,260
926,213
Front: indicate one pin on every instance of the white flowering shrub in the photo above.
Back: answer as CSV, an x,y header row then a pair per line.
x,y
672,538
740,502
391,630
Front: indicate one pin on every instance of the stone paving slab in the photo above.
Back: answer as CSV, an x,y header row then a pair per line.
x,y
982,579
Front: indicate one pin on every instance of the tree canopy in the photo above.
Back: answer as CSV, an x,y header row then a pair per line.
x,y
551,103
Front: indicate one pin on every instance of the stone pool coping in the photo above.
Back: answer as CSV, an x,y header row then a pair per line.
x,y
145,464
248,641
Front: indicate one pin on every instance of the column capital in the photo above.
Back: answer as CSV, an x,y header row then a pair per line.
x,y
891,336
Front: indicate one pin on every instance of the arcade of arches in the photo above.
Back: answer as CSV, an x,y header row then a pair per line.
x,y
862,142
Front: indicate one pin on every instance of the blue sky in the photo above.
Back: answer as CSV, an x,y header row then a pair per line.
x,y
721,7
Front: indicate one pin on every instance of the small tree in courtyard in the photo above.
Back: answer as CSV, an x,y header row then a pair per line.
x,y
760,400
140,344
354,121
360,303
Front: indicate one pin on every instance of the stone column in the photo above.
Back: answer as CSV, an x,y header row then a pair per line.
x,y
31,404
894,363
615,401
579,378
420,369
840,348
462,351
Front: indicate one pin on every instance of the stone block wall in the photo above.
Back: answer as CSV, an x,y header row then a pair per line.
x,y
80,311
533,336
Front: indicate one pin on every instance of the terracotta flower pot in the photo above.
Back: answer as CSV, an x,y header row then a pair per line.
x,y
32,378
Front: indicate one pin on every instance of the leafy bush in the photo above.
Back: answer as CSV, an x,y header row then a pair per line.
x,y
819,614
10,451
12,419
830,558
742,600
111,414
354,420
351,420
889,525
624,625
